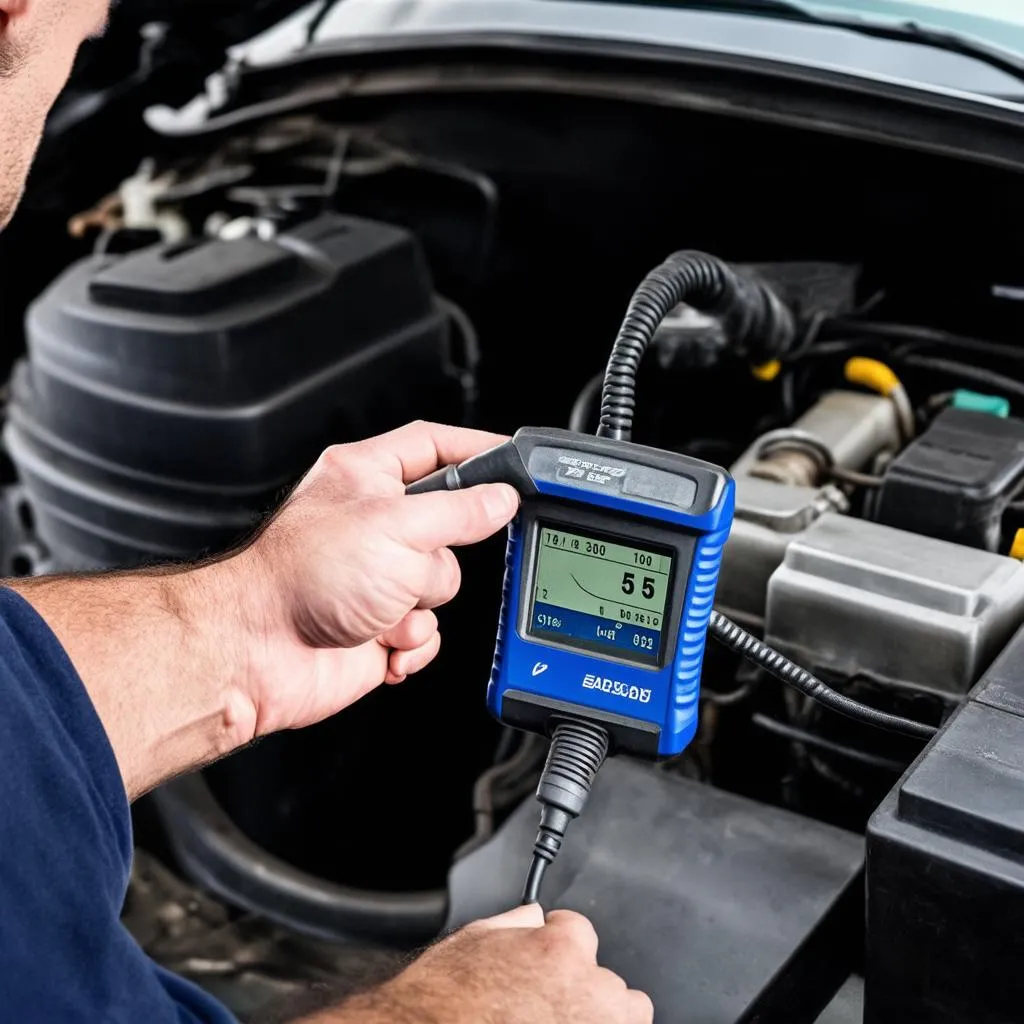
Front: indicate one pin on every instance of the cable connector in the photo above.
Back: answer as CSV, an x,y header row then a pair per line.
x,y
758,326
578,749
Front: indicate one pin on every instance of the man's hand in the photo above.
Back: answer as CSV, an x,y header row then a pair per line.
x,y
337,592
333,598
513,969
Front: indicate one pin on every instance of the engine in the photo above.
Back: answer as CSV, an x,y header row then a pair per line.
x,y
243,307
929,613
173,392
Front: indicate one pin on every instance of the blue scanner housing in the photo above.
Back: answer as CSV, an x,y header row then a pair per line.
x,y
611,570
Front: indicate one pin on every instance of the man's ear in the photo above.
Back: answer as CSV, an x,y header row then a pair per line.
x,y
11,14
11,11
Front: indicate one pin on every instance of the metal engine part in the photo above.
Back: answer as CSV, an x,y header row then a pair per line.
x,y
853,428
772,515
781,489
855,598
847,597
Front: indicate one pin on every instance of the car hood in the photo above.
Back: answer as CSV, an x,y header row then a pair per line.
x,y
761,37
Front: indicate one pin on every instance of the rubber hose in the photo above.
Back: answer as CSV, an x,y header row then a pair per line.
x,y
216,855
746,644
756,324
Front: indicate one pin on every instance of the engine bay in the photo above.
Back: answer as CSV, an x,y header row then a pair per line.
x,y
305,270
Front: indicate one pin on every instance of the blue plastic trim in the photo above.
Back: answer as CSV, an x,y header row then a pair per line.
x,y
667,697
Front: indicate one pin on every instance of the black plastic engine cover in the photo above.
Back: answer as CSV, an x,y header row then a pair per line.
x,y
945,869
722,909
170,394
955,481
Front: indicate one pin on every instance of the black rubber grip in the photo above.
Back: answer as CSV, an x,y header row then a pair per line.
x,y
501,465
444,479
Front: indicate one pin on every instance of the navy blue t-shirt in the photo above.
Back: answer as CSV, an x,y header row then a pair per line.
x,y
65,853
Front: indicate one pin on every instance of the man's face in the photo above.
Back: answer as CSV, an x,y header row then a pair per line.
x,y
38,43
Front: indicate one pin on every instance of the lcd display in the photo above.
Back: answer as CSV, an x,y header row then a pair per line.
x,y
598,595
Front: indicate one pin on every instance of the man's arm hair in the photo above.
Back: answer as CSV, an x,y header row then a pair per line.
x,y
158,653
363,974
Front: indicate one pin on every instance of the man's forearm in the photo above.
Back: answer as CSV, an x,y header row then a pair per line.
x,y
396,1002
330,600
161,655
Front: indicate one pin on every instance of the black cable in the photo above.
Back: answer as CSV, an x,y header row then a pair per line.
x,y
854,478
922,336
578,750
584,404
746,644
809,739
469,372
827,349
730,697
756,324
506,743
485,188
506,781
976,375
809,336
534,879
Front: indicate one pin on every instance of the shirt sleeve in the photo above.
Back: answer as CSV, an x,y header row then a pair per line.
x,y
65,852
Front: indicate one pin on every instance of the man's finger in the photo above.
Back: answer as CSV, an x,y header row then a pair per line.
x,y
405,663
417,449
446,519
641,1009
443,580
578,928
412,632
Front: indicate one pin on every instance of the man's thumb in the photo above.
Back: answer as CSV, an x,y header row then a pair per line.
x,y
530,916
451,518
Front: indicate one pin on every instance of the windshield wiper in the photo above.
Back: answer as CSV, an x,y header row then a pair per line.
x,y
1006,61
940,39
313,28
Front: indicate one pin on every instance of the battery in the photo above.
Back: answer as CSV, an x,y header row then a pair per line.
x,y
945,869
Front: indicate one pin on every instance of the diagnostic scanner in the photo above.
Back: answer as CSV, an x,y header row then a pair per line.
x,y
613,561
611,569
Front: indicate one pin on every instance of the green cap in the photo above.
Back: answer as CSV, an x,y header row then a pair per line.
x,y
994,405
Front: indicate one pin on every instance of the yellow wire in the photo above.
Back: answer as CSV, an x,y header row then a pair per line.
x,y
870,373
767,371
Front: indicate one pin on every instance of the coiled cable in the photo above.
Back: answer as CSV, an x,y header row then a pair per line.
x,y
756,325
748,646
